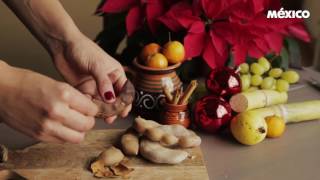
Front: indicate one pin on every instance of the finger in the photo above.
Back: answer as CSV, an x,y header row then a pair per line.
x,y
105,86
126,111
118,78
110,120
82,103
64,133
50,139
77,121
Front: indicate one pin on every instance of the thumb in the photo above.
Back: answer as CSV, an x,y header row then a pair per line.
x,y
104,84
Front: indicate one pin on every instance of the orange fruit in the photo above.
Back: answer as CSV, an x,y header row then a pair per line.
x,y
276,126
157,60
149,50
174,51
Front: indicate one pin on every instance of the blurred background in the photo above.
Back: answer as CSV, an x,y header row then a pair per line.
x,y
19,48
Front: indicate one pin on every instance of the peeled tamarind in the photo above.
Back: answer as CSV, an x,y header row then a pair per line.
x,y
130,143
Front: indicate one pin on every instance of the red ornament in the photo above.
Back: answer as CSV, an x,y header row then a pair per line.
x,y
212,113
224,82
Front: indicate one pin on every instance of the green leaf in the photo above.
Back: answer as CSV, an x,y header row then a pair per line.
x,y
294,53
284,58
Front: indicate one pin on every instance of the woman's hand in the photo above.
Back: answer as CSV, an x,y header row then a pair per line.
x,y
86,66
43,108
82,63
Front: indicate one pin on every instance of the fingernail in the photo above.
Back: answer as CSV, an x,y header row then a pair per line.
x,y
108,95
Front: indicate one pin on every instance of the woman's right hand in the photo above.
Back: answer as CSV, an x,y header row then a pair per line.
x,y
43,108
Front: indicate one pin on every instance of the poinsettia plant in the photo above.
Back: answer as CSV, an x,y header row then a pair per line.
x,y
217,31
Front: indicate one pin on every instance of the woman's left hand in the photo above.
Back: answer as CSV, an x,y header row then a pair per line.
x,y
87,67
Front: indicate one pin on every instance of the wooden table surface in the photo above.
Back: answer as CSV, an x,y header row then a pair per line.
x,y
294,156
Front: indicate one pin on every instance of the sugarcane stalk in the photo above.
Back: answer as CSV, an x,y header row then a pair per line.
x,y
293,112
257,99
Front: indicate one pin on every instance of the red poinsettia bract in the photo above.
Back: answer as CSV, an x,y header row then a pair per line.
x,y
214,27
139,11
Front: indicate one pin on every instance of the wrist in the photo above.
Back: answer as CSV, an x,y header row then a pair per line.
x,y
61,39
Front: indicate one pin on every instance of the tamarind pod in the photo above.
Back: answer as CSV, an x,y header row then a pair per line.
x,y
155,152
141,125
293,112
189,142
130,143
257,99
124,99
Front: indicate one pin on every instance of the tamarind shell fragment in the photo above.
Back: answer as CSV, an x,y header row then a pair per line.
x,y
125,98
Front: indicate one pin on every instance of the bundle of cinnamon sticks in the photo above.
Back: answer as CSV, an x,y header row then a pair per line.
x,y
180,97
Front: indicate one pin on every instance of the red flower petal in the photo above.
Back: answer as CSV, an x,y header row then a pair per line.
x,y
178,10
255,52
194,44
212,57
154,10
299,31
113,6
219,43
134,20
239,52
275,41
187,20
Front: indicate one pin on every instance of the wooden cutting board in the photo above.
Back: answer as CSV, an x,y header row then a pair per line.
x,y
70,161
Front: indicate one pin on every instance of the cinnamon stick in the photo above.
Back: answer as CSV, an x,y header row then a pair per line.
x,y
176,98
188,92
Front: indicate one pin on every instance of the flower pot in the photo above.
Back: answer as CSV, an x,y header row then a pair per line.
x,y
148,83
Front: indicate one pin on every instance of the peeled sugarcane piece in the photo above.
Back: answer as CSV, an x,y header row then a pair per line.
x,y
155,152
167,135
124,99
130,143
293,112
257,99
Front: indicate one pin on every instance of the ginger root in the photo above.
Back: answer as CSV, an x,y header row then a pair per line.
x,y
155,152
130,143
124,99
167,135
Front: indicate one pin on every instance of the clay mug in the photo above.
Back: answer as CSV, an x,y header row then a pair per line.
x,y
148,83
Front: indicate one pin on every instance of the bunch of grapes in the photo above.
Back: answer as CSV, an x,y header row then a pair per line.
x,y
261,75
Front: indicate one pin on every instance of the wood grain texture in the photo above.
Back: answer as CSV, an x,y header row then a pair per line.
x,y
70,161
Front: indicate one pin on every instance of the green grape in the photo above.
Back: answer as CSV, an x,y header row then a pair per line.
x,y
264,63
267,83
256,68
252,88
290,76
282,85
245,81
256,80
244,68
275,72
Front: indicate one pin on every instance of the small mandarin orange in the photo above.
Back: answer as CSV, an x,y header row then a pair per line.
x,y
149,50
157,60
174,51
276,126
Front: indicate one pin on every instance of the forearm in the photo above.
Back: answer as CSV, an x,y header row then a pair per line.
x,y
48,22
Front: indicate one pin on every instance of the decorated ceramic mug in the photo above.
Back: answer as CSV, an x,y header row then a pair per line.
x,y
148,83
